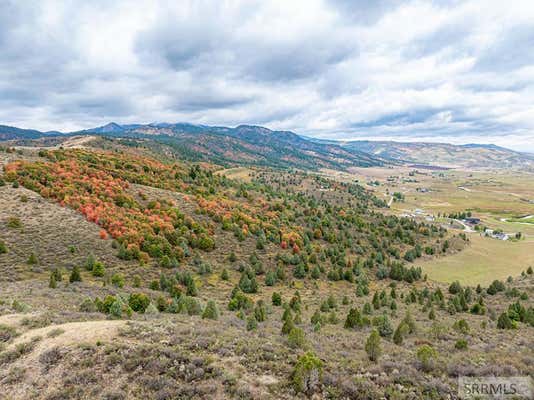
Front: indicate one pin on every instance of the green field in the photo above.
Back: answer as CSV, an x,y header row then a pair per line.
x,y
484,260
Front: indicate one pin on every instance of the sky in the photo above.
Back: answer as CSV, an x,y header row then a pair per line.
x,y
448,71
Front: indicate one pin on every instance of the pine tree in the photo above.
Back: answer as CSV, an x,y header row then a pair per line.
x,y
354,319
372,346
398,336
276,299
211,311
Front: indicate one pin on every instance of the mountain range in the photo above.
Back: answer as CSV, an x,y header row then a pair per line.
x,y
257,145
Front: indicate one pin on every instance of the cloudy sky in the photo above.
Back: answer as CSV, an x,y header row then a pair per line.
x,y
456,71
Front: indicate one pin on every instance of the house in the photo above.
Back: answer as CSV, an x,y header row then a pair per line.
x,y
472,221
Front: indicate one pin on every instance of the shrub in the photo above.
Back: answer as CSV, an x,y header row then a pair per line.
x,y
75,275
117,280
7,333
288,326
504,322
260,313
308,373
119,308
276,299
138,302
52,284
461,344
20,306
32,260
98,269
14,222
400,332
410,323
88,306
354,319
270,278
496,287
191,305
211,311
455,287
252,324
427,356
383,325
461,326
3,247
224,275
151,309
372,346
296,338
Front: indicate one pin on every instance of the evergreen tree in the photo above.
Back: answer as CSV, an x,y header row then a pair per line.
x,y
75,275
211,311
372,346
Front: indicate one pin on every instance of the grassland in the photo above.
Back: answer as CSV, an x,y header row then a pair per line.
x,y
501,199
483,261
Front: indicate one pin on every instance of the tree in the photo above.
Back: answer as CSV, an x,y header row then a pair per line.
x,y
252,324
191,288
504,322
276,299
117,280
98,269
211,311
224,275
354,319
75,275
296,338
383,325
288,325
400,332
308,373
372,346
138,302
410,323
427,356
270,278
260,313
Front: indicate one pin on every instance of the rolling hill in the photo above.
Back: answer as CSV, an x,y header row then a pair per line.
x,y
444,154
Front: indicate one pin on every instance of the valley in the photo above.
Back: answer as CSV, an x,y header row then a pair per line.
x,y
128,272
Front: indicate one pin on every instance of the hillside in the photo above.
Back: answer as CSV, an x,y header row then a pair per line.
x,y
128,276
243,145
445,155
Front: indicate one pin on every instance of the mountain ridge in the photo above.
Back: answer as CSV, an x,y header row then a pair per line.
x,y
248,144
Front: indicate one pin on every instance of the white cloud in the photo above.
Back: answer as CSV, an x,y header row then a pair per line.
x,y
448,70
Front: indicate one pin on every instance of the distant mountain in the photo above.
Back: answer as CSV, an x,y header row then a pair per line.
x,y
257,145
242,145
10,133
443,154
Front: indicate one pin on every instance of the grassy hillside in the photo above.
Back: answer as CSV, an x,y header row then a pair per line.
x,y
127,277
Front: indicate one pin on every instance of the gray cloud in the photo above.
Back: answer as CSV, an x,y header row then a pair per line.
x,y
448,70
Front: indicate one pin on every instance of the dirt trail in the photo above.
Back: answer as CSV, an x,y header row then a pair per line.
x,y
74,332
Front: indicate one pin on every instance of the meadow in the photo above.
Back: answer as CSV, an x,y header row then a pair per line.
x,y
501,199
